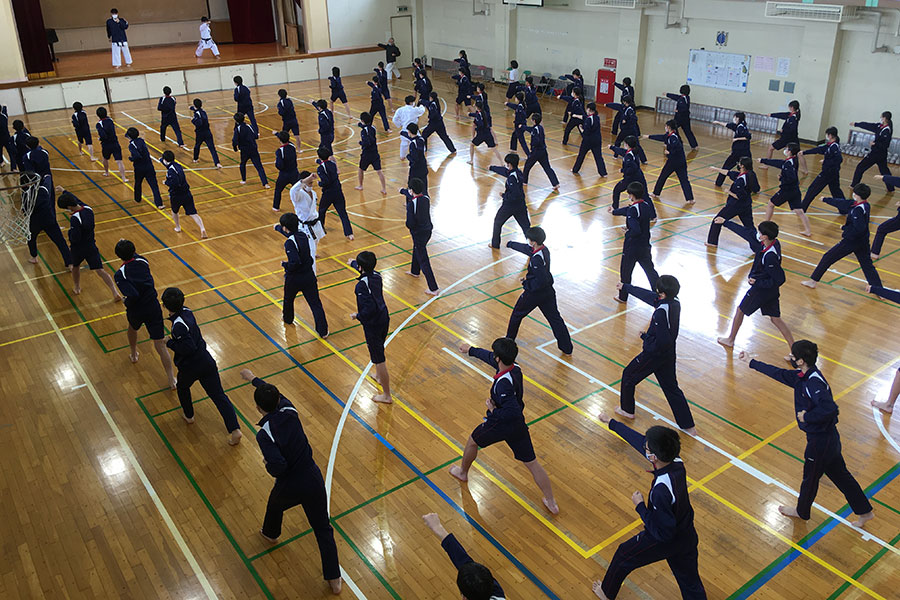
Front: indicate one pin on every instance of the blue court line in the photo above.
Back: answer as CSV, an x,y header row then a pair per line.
x,y
828,526
525,571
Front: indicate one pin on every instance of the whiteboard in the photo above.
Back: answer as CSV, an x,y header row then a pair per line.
x,y
719,70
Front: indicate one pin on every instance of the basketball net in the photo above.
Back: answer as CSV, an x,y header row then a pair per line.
x,y
17,196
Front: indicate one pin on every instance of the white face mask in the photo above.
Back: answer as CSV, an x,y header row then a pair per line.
x,y
647,455
115,17
758,237
786,153
736,120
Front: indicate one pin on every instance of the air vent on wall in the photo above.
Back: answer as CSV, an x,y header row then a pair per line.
x,y
828,13
618,3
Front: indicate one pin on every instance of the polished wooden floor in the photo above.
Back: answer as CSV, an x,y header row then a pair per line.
x,y
80,519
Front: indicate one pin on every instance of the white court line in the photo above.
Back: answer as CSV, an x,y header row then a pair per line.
x,y
148,128
126,449
801,237
876,414
329,472
467,363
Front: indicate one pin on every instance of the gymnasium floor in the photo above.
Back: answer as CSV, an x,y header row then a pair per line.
x,y
108,493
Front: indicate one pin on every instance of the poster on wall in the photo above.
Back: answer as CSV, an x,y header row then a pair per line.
x,y
720,70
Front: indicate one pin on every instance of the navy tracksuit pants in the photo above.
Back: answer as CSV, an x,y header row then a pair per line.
x,y
642,550
546,301
842,249
641,367
889,226
206,138
728,212
306,284
832,180
208,376
823,457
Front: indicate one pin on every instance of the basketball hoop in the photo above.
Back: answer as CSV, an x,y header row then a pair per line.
x,y
17,196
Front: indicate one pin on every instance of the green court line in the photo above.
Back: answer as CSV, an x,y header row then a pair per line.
x,y
861,571
365,560
72,302
858,268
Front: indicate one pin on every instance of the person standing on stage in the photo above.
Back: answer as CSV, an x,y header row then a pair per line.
x,y
206,40
115,31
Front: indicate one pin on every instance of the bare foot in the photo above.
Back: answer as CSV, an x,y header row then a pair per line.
x,y
597,586
551,505
124,180
219,166
691,202
173,383
874,256
708,245
76,291
690,431
178,230
267,538
188,420
335,585
411,274
810,283
203,234
106,174
788,511
383,192
359,187
195,161
885,407
267,186
622,413
243,183
134,356
350,237
235,438
382,399
457,472
33,260
727,342
117,298
863,519
433,292
806,233
619,300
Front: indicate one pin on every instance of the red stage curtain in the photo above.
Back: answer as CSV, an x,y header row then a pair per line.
x,y
251,21
33,36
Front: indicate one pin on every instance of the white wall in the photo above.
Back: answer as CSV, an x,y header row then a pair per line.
x,y
450,27
359,22
12,67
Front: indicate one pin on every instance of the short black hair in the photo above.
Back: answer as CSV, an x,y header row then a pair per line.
x,y
576,72
77,106
862,190
746,162
805,350
832,131
672,124
18,125
520,96
238,117
167,90
336,71
413,128
304,174
283,136
321,103
266,397
290,221
32,142
173,299
67,200
114,11
366,261
366,118
631,141
668,285
409,99
238,80
740,116
479,105
323,153
480,86
768,229
626,81
636,189
375,79
434,96
628,100
101,112
416,185
204,19
514,64
537,118
125,249
381,63
168,156
512,159
198,103
475,581
793,148
592,106
536,234
685,89
663,442
505,349
282,93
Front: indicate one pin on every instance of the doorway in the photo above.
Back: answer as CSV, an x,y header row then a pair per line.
x,y
401,31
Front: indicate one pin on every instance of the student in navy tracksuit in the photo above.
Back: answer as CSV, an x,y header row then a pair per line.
x,y
326,125
369,157
817,417
538,152
180,193
463,62
372,314
36,159
877,155
512,200
288,115
739,203
195,363
202,133
436,122
244,140
376,106
513,77
574,108
481,132
299,275
629,125
109,143
418,221
788,187
520,119
286,163
889,226
766,278
43,218
244,102
676,162
337,90
82,129
627,91
418,165
473,579
143,166
591,141
83,242
740,144
6,142
538,290
168,117
532,102
788,133
422,87
504,420
19,143
636,249
332,193
463,90
576,82
658,352
631,169
683,113
831,168
667,515
854,239
382,75
288,458
141,304
480,95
